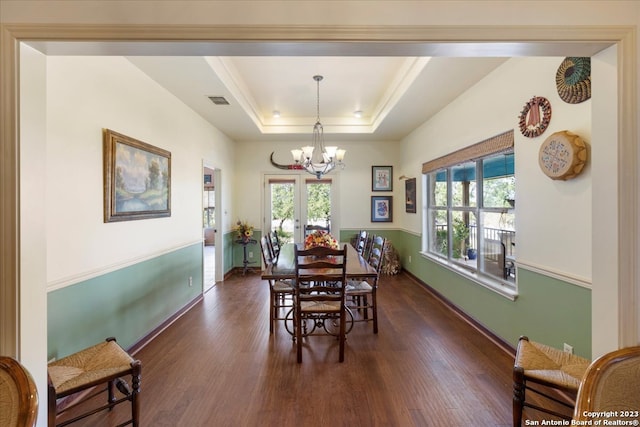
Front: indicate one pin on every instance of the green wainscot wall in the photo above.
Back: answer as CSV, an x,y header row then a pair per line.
x,y
547,310
127,303
254,256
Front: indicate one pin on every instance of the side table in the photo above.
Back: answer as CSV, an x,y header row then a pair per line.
x,y
245,261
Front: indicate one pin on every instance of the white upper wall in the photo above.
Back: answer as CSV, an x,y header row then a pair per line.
x,y
553,218
85,95
354,182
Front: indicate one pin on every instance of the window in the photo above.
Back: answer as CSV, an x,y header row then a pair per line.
x,y
470,216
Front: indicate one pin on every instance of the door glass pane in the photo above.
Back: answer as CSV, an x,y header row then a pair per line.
x,y
318,206
282,209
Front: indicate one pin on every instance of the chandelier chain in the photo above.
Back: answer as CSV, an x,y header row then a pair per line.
x,y
317,79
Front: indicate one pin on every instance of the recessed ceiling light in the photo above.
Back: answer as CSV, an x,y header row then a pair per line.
x,y
276,113
357,114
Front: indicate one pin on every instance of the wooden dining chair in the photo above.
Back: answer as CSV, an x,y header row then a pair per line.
x,y
324,300
610,385
375,242
361,241
274,241
18,395
363,292
280,291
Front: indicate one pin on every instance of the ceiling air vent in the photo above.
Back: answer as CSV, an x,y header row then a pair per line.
x,y
219,100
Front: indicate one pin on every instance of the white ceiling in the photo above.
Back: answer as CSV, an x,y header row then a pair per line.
x,y
395,94
397,86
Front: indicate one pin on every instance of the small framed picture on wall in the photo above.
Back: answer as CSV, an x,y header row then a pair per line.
x,y
381,208
381,178
410,195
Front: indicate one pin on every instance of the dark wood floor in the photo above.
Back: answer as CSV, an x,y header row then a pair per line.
x,y
219,366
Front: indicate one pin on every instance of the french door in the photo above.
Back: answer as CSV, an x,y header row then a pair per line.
x,y
295,204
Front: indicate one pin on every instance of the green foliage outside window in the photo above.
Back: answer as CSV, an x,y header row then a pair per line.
x,y
319,202
282,208
460,236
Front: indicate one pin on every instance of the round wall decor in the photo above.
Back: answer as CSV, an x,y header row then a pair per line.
x,y
535,117
573,79
563,155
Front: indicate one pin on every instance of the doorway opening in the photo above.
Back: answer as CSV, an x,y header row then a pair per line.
x,y
209,228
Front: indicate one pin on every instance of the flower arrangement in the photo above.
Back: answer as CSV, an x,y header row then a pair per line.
x,y
320,238
243,230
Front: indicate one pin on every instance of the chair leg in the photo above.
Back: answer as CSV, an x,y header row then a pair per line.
x,y
298,328
51,403
365,305
518,395
135,399
343,319
110,395
374,311
272,310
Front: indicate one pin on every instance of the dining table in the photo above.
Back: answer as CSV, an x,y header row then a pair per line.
x,y
284,267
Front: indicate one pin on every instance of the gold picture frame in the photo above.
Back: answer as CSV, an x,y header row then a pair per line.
x,y
137,179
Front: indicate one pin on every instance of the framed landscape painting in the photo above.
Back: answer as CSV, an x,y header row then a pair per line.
x,y
137,179
381,208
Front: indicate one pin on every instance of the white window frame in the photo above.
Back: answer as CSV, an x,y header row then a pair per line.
x,y
507,288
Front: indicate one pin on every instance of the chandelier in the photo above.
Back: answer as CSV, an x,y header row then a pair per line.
x,y
318,159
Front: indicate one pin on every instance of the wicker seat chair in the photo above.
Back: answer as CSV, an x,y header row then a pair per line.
x,y
323,299
103,363
363,293
18,395
280,291
545,366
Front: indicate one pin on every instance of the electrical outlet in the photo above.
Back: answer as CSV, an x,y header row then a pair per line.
x,y
250,254
409,259
568,348
190,281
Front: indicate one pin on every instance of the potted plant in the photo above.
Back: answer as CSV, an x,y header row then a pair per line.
x,y
460,236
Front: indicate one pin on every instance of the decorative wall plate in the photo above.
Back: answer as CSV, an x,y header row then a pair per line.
x,y
563,155
535,117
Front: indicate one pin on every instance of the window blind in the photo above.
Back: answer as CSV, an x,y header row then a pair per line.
x,y
497,144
